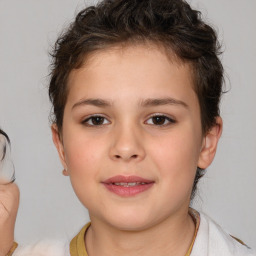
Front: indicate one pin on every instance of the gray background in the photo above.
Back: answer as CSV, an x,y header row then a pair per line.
x,y
48,206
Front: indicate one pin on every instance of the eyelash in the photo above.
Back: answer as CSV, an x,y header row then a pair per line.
x,y
90,118
166,118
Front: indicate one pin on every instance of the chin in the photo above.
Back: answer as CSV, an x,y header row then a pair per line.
x,y
129,222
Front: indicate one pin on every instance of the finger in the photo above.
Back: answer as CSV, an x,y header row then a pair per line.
x,y
9,196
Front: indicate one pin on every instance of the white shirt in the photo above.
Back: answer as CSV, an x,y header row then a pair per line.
x,y
211,240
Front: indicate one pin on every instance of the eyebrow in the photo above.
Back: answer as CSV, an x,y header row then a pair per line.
x,y
162,101
151,102
94,102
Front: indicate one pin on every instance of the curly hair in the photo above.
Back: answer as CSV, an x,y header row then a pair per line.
x,y
169,23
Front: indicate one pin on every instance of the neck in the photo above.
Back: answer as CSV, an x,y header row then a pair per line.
x,y
172,236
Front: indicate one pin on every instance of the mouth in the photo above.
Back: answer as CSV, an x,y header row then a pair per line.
x,y
127,186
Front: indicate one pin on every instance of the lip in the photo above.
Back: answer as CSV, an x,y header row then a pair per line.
x,y
119,185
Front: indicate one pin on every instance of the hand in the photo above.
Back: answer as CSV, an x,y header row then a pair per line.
x,y
9,203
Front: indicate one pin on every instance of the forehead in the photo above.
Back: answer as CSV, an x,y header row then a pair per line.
x,y
143,60
126,79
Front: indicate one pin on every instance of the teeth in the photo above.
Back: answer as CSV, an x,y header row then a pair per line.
x,y
129,184
132,184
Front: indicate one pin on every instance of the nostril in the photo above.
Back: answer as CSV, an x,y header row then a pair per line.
x,y
133,156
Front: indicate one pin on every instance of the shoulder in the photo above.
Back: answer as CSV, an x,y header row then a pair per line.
x,y
212,240
45,248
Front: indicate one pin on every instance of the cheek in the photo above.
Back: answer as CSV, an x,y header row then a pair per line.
x,y
176,156
84,160
83,156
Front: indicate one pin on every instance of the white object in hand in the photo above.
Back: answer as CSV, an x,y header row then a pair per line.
x,y
7,171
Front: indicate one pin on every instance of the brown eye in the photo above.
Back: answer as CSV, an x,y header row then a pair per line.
x,y
95,121
160,120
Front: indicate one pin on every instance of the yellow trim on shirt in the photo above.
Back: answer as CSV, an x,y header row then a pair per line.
x,y
196,218
77,245
14,246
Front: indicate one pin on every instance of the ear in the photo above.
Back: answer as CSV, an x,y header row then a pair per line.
x,y
56,137
209,145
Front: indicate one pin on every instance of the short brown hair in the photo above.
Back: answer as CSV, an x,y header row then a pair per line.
x,y
170,23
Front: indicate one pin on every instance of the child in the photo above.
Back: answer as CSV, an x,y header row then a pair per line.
x,y
135,88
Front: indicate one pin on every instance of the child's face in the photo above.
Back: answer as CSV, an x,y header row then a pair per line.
x,y
148,125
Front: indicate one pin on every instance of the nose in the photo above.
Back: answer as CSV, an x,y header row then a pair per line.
x,y
127,145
